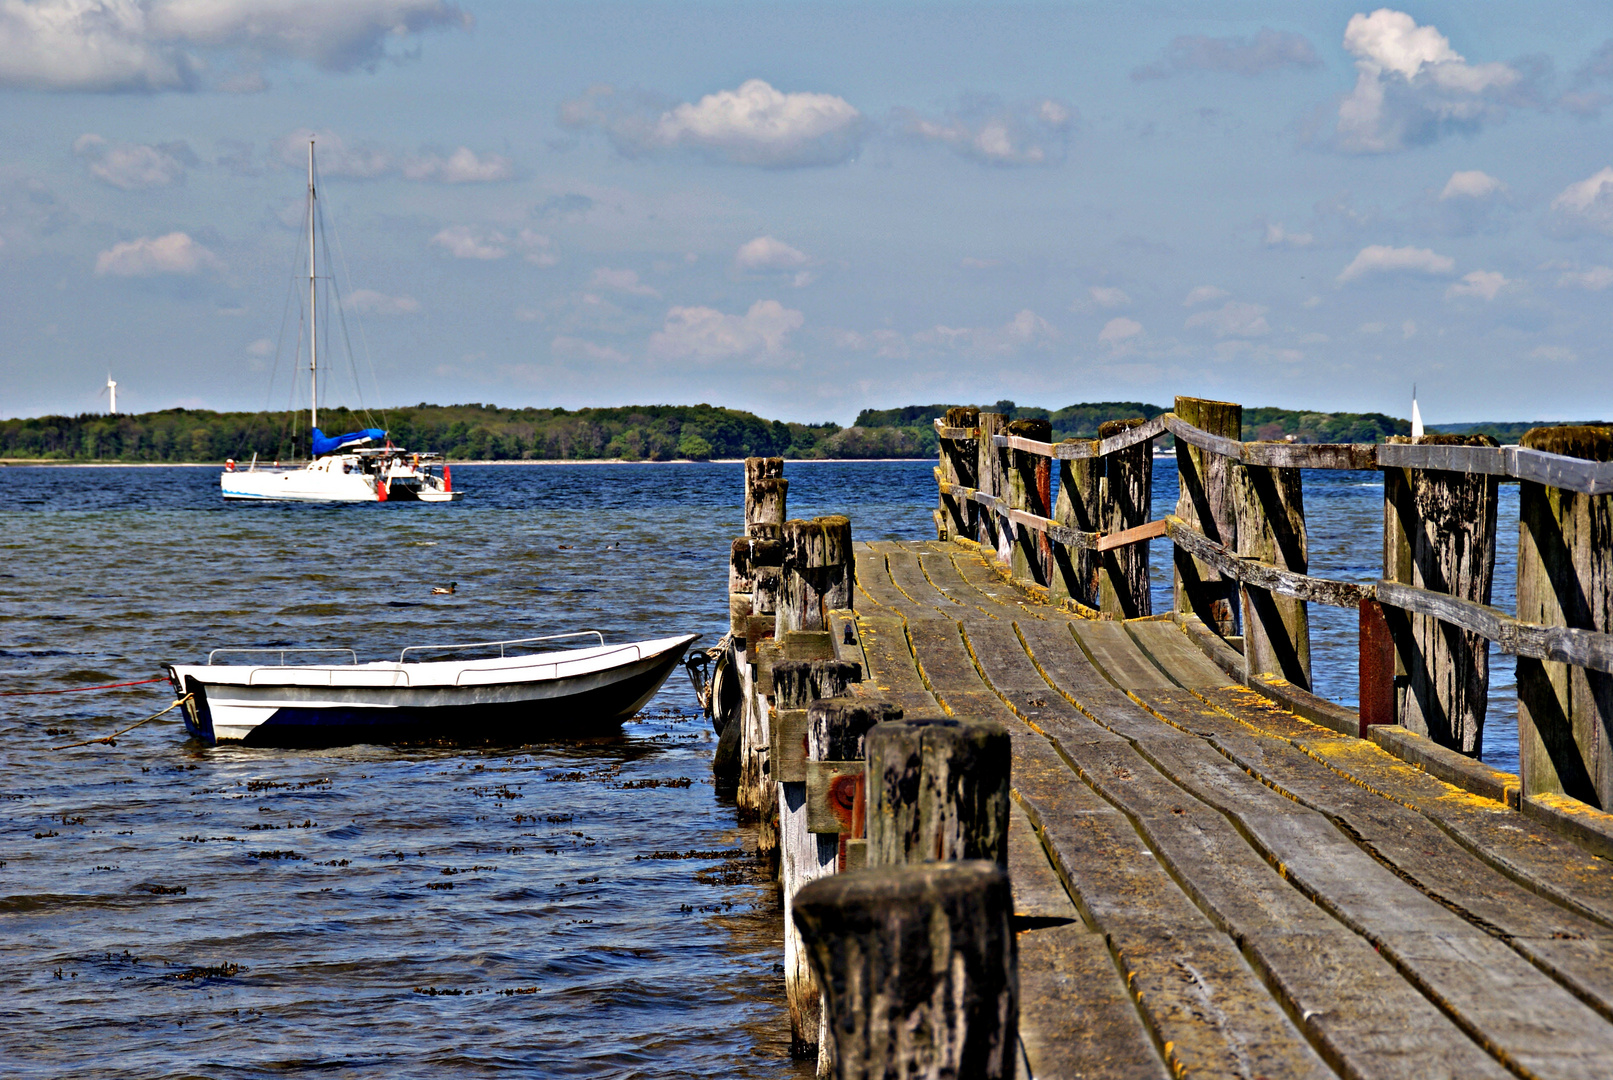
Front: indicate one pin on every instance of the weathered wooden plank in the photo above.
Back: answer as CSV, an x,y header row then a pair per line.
x,y
957,433
787,750
1169,647
833,790
1483,460
1587,477
1283,582
992,480
1312,455
1117,655
803,858
1038,892
1076,1018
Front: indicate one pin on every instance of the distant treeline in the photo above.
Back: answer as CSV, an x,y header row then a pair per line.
x,y
632,433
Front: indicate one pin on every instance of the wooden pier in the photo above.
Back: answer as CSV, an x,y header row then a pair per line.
x,y
1211,871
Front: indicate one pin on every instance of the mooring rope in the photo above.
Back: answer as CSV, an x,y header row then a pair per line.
x,y
108,738
78,689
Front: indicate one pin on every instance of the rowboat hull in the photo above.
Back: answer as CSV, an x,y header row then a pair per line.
x,y
530,700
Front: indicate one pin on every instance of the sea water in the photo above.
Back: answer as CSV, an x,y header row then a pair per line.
x,y
569,908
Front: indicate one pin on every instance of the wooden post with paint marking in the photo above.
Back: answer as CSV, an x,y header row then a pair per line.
x,y
1205,503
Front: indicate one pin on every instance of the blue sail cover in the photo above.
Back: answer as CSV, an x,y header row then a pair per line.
x,y
326,444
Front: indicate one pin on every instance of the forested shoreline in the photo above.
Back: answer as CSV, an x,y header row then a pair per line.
x,y
478,432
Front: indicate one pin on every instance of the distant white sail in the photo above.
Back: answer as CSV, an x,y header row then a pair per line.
x,y
1416,418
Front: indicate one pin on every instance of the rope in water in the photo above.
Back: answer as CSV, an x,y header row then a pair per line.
x,y
108,738
77,689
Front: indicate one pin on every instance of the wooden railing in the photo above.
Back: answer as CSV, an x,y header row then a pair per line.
x,y
1240,562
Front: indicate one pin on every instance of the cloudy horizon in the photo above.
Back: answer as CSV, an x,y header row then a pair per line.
x,y
807,210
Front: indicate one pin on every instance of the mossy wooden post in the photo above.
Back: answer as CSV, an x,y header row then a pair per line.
x,y
765,495
937,791
1127,501
803,855
919,969
1029,488
1565,578
992,478
959,464
1079,506
1206,503
1439,534
819,574
1270,510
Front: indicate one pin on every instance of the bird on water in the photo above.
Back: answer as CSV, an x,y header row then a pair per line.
x,y
448,591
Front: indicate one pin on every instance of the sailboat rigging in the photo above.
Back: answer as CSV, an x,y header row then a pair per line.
x,y
341,468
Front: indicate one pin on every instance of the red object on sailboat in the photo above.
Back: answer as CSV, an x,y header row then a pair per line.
x,y
447,477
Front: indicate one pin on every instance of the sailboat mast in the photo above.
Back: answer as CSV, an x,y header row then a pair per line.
x,y
313,332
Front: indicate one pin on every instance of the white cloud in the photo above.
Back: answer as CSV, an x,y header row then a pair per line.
x,y
969,262
986,130
1025,329
132,166
463,166
1372,328
1277,236
623,281
1587,203
470,242
767,253
753,125
1412,87
1108,296
125,45
1235,318
1472,184
564,345
365,160
376,303
261,347
1381,259
706,334
1117,332
1203,294
1592,278
1484,284
537,248
175,253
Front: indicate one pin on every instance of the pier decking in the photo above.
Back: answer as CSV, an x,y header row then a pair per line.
x,y
1207,884
1211,871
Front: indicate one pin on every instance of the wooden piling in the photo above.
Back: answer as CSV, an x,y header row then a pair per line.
x,y
1565,578
765,495
818,573
937,791
959,464
1206,504
1439,534
1126,501
1029,484
991,477
919,970
1269,508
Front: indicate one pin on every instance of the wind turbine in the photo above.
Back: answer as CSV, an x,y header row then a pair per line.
x,y
111,388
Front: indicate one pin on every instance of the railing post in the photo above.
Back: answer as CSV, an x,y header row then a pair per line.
x,y
992,478
1075,570
1029,484
959,464
1126,501
1439,534
1270,510
919,968
1206,504
1565,578
766,491
1376,668
937,791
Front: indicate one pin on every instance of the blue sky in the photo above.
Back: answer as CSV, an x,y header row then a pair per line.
x,y
805,210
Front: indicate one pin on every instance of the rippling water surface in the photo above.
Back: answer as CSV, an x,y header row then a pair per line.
x,y
559,909
170,909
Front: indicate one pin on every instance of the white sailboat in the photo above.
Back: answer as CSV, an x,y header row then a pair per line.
x,y
359,466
